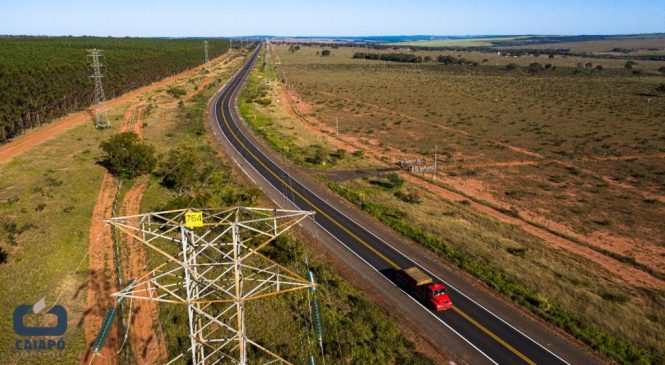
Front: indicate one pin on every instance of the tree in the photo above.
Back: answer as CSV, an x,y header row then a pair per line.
x,y
325,53
599,68
629,65
127,156
662,70
44,78
660,89
511,66
181,169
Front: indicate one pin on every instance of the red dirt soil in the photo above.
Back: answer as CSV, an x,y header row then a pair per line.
x,y
624,271
40,135
101,258
526,152
145,335
101,276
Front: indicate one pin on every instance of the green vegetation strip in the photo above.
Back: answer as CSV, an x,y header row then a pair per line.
x,y
357,331
619,350
515,214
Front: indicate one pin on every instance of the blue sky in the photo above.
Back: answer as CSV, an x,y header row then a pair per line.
x,y
332,17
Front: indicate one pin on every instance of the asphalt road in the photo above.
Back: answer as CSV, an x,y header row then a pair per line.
x,y
485,326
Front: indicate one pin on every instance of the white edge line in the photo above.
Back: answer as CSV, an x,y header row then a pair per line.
x,y
349,249
372,234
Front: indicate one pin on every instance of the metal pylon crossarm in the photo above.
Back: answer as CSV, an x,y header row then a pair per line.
x,y
214,269
101,117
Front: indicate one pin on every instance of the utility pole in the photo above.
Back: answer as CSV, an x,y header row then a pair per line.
x,y
101,117
436,150
211,263
205,49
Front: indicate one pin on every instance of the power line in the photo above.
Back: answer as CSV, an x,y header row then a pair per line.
x,y
212,265
101,117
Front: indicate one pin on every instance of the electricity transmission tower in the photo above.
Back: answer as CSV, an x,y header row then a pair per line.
x,y
212,265
101,117
205,47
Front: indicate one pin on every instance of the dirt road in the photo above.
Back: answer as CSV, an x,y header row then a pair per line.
x,y
44,133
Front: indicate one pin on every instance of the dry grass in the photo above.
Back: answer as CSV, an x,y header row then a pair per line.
x,y
581,150
480,116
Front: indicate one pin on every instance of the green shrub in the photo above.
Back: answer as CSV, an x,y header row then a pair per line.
x,y
127,156
264,101
176,92
411,198
181,168
622,351
395,180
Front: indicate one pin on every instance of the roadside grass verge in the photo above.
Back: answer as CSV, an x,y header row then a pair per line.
x,y
457,237
259,107
356,330
515,214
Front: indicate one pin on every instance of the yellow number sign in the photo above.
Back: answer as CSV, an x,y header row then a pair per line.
x,y
193,219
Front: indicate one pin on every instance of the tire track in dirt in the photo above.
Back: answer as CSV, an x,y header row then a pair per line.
x,y
101,276
145,333
102,280
145,336
624,271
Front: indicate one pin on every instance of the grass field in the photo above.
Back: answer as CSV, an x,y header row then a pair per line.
x,y
486,121
576,153
372,337
48,195
46,199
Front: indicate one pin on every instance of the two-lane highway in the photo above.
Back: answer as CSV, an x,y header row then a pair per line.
x,y
498,341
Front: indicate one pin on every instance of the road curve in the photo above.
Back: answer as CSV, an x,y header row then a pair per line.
x,y
492,335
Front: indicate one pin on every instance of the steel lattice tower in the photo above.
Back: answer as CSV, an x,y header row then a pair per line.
x,y
101,117
214,269
205,47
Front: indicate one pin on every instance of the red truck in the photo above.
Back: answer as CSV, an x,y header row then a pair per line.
x,y
420,285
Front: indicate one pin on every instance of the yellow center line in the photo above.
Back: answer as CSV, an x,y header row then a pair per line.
x,y
386,259
364,243
495,337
